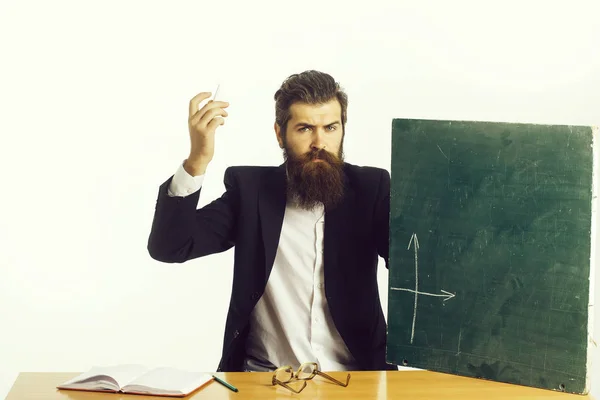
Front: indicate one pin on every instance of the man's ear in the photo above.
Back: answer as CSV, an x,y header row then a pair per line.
x,y
278,134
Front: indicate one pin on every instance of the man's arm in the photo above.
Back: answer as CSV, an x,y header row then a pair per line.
x,y
382,217
181,232
183,184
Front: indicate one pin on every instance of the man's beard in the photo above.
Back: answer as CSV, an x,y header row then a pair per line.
x,y
312,183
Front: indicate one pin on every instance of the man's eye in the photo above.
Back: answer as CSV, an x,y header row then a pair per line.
x,y
332,127
303,129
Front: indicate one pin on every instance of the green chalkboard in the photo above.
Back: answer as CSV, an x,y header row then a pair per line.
x,y
490,227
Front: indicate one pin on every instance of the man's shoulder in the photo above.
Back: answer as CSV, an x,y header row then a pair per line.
x,y
251,173
364,171
367,179
251,169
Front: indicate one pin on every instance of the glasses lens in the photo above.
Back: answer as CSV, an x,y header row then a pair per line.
x,y
307,371
284,374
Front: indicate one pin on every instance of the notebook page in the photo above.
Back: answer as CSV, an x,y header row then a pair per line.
x,y
125,373
170,380
122,374
112,377
98,382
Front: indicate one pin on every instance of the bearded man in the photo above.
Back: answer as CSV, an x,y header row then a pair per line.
x,y
307,236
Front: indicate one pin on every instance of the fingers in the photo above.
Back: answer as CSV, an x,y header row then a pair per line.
x,y
215,122
208,106
196,100
205,118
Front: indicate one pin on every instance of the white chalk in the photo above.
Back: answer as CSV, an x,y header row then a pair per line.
x,y
215,94
213,97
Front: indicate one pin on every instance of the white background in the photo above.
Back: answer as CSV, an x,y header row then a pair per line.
x,y
93,105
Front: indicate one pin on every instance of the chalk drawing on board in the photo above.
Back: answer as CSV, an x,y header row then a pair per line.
x,y
447,295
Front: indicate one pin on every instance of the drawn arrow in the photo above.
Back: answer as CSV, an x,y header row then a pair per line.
x,y
444,293
414,241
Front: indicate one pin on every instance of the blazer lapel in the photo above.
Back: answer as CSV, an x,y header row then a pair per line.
x,y
271,209
337,224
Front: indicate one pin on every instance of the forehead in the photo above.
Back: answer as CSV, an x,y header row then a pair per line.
x,y
328,112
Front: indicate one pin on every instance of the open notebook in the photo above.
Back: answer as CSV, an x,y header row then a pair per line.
x,y
138,379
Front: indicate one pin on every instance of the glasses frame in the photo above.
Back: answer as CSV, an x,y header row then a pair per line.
x,y
295,376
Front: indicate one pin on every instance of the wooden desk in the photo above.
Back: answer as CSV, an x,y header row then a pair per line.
x,y
257,385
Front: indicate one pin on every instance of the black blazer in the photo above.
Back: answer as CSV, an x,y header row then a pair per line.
x,y
249,216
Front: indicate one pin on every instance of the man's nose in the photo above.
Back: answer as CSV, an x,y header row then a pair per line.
x,y
317,143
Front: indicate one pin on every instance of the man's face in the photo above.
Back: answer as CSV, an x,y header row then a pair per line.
x,y
312,148
313,127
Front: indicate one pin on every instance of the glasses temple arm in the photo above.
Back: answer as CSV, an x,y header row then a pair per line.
x,y
333,379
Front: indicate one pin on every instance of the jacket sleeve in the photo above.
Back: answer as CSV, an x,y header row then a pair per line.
x,y
181,232
382,217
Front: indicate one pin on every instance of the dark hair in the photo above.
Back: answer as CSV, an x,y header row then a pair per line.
x,y
310,87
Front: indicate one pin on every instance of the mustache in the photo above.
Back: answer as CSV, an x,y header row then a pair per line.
x,y
320,154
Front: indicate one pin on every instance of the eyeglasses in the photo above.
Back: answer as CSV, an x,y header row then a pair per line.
x,y
284,375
